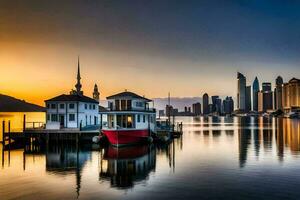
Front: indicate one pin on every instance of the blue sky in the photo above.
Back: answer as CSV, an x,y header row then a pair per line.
x,y
187,47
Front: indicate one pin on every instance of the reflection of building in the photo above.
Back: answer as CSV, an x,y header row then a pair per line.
x,y
291,135
123,167
291,95
241,95
66,159
244,136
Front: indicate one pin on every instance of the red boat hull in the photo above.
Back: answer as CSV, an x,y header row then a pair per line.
x,y
126,137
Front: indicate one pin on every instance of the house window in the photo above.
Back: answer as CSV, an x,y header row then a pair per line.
x,y
62,106
128,104
48,117
71,105
139,104
111,105
90,106
138,118
144,118
94,107
85,106
71,117
117,102
54,117
125,121
129,121
123,104
53,106
48,105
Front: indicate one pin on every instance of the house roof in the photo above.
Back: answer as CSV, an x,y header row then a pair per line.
x,y
71,97
294,80
102,109
127,94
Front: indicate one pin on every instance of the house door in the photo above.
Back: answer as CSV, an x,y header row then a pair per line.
x,y
62,120
95,120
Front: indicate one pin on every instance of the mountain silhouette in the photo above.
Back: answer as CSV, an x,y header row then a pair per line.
x,y
11,104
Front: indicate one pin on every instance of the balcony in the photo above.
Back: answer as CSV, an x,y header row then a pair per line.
x,y
114,109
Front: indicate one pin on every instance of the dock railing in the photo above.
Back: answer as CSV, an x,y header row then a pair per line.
x,y
34,125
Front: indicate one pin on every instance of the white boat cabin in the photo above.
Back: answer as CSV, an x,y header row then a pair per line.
x,y
127,110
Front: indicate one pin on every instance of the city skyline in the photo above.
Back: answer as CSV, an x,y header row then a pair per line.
x,y
41,41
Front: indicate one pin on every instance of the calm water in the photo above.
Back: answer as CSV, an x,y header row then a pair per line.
x,y
217,158
16,119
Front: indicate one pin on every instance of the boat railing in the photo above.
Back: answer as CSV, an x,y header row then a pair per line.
x,y
132,109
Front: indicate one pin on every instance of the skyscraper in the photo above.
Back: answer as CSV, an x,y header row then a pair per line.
x,y
214,100
265,98
248,99
228,105
278,93
255,90
266,87
218,106
205,100
196,107
241,95
291,95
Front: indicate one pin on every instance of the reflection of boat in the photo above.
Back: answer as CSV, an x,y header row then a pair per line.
x,y
126,166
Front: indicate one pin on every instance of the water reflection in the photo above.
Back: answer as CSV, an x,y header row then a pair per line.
x,y
227,154
126,166
285,131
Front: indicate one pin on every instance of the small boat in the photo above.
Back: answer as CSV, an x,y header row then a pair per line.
x,y
130,120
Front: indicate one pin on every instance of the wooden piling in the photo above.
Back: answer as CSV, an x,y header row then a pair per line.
x,y
24,122
3,132
9,135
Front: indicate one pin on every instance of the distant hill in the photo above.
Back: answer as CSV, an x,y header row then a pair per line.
x,y
11,104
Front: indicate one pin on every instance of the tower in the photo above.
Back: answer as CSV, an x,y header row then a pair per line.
x,y
278,93
205,103
78,84
241,94
248,99
96,94
255,90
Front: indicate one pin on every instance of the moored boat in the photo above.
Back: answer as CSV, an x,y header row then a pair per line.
x,y
130,120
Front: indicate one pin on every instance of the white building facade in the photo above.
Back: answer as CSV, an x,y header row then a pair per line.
x,y
71,111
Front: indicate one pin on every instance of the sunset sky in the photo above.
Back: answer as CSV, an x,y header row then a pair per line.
x,y
148,47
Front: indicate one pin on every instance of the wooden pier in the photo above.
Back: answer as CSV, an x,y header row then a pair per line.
x,y
35,131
